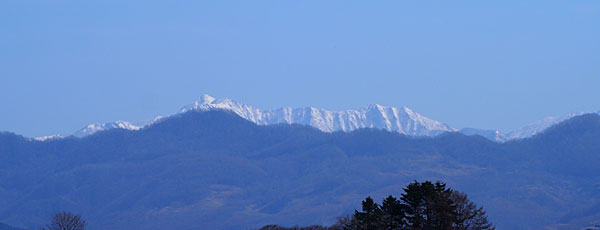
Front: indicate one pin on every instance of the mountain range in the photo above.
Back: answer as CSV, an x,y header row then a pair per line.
x,y
213,169
402,120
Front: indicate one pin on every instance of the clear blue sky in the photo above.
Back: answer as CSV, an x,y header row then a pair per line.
x,y
496,65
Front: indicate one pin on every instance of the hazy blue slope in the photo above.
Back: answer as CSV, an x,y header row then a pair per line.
x,y
215,170
8,227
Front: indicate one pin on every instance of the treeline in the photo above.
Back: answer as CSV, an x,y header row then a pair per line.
x,y
422,206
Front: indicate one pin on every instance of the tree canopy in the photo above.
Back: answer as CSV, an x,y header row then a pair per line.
x,y
66,221
425,205
422,206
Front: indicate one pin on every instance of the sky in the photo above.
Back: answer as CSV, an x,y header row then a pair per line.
x,y
484,64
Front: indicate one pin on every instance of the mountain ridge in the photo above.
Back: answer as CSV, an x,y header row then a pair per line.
x,y
206,168
396,119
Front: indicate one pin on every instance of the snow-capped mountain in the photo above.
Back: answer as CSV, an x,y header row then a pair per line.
x,y
50,137
494,135
525,132
539,126
402,120
93,128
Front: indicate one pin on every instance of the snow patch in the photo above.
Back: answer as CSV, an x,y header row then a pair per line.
x,y
49,138
94,128
402,120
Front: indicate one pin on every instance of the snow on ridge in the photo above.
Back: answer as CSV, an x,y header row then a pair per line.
x,y
395,119
493,135
524,132
539,126
49,138
94,128
402,120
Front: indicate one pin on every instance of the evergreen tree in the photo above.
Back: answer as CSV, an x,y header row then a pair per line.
x,y
433,206
370,216
392,214
414,198
440,207
423,206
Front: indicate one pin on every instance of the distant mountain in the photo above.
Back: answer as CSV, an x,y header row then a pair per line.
x,y
493,135
524,132
49,138
93,128
401,120
216,170
539,126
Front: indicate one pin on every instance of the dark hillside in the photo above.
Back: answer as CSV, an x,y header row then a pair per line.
x,y
215,170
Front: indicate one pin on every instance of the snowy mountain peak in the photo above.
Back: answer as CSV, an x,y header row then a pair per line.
x,y
375,106
206,99
402,120
49,138
395,119
524,132
93,128
539,126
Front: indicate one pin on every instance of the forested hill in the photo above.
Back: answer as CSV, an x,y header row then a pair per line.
x,y
215,170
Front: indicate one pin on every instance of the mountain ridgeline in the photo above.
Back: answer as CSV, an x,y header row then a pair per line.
x,y
395,119
216,170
